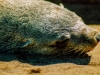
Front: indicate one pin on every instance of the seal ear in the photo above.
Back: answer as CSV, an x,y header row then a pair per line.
x,y
26,43
61,5
61,42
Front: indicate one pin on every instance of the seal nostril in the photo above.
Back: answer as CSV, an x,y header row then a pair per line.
x,y
98,37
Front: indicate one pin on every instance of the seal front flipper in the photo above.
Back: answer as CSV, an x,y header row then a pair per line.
x,y
25,46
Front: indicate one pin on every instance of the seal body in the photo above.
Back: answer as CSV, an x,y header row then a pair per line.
x,y
44,28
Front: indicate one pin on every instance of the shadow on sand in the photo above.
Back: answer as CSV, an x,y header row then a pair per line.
x,y
45,60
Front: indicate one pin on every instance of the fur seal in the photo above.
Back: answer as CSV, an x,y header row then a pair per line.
x,y
44,28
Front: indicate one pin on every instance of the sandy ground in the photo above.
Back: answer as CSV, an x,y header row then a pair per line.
x,y
16,65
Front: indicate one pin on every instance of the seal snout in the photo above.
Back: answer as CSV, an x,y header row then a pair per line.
x,y
98,37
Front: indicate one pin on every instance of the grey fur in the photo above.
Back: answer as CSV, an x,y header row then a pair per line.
x,y
44,28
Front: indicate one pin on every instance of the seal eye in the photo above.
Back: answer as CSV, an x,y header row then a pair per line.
x,y
61,42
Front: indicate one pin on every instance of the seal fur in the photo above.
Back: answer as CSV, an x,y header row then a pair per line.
x,y
44,28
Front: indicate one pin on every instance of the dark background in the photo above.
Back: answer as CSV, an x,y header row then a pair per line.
x,y
89,10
